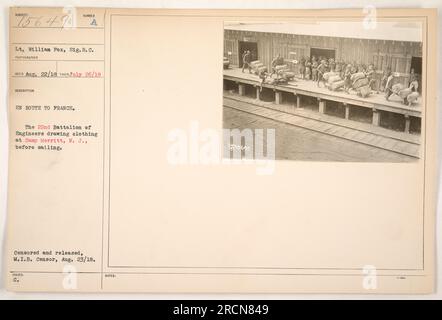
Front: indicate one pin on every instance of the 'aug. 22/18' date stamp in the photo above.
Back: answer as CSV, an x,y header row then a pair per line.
x,y
221,310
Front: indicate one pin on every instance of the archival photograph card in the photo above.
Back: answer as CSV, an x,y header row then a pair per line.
x,y
221,151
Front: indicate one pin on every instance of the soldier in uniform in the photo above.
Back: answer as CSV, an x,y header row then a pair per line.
x,y
302,67
263,76
347,78
277,61
331,64
389,85
322,68
412,76
308,69
384,79
246,61
369,73
314,69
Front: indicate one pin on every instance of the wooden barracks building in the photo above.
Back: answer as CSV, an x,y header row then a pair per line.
x,y
395,45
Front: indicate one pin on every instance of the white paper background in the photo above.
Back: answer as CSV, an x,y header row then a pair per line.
x,y
214,4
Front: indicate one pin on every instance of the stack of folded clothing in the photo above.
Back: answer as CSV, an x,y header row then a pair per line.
x,y
258,67
334,81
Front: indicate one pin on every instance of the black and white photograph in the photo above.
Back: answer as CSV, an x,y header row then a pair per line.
x,y
332,90
241,152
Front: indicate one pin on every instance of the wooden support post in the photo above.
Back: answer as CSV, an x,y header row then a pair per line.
x,y
322,105
347,111
258,93
278,97
242,89
407,124
298,101
376,117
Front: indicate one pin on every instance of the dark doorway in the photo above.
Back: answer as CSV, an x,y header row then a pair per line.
x,y
244,46
416,68
324,53
416,65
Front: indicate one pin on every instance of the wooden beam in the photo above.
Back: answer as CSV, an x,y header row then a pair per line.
x,y
322,106
242,89
278,97
407,124
347,110
376,117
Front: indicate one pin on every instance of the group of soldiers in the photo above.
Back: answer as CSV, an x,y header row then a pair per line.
x,y
390,87
315,68
246,57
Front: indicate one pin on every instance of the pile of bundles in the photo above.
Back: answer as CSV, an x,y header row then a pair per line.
x,y
405,93
258,67
333,81
361,84
283,72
